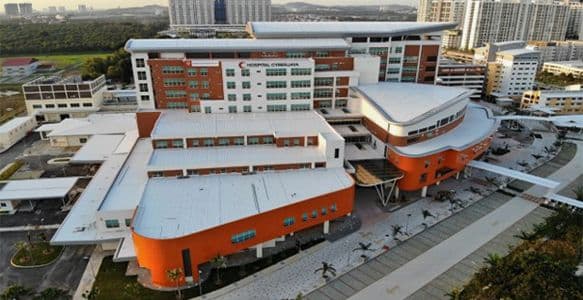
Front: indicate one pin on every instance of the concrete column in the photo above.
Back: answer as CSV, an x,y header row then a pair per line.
x,y
184,172
397,192
326,227
184,145
457,175
259,250
424,191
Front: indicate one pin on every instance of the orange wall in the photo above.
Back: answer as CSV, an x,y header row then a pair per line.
x,y
413,167
146,122
159,255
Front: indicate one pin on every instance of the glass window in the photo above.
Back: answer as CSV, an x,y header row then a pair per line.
x,y
191,72
207,110
140,63
128,222
246,85
333,207
193,84
112,223
301,96
239,141
277,107
324,211
304,216
205,84
143,87
276,72
209,142
247,108
245,72
177,144
232,97
161,144
301,71
253,140
246,97
289,221
314,213
300,83
232,109
268,140
231,85
276,84
241,237
204,71
276,96
230,72
142,75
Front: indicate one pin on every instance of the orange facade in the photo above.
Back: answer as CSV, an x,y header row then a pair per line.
x,y
428,170
160,255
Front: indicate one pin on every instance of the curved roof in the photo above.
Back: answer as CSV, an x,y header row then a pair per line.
x,y
222,45
268,30
406,103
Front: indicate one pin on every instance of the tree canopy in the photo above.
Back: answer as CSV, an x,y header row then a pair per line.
x,y
117,67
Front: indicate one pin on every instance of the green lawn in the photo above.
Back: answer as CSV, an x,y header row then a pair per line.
x,y
63,60
39,254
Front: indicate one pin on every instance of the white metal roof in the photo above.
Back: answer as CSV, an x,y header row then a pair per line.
x,y
114,123
98,148
37,189
206,45
577,64
199,203
405,102
179,124
551,184
517,52
477,124
262,30
14,123
217,157
566,200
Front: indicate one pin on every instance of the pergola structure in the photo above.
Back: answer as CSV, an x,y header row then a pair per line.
x,y
377,173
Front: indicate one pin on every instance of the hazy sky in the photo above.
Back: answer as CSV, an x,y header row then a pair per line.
x,y
99,4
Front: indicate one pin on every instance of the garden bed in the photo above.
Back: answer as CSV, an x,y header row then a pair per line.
x,y
36,254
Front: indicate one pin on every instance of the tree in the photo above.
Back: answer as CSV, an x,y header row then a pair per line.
x,y
219,262
325,269
52,294
175,275
15,292
427,214
493,259
454,294
364,248
397,230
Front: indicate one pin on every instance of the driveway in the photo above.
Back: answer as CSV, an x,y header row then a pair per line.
x,y
65,273
17,150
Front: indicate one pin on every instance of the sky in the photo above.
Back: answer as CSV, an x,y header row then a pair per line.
x,y
101,4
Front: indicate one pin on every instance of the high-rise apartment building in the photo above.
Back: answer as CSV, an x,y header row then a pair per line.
x,y
11,9
487,21
25,9
557,50
512,73
444,11
575,25
194,13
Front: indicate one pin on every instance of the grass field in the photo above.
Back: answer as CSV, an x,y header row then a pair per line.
x,y
63,60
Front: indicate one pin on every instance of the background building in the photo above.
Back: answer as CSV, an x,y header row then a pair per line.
x,y
512,73
444,11
487,21
25,9
572,67
575,25
14,130
53,99
11,9
197,13
567,101
19,67
466,75
557,50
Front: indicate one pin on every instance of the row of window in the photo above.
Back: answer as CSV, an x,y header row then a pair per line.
x,y
439,123
62,105
114,223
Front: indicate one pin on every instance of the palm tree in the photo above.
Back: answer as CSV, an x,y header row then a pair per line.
x,y
174,275
219,262
52,294
493,259
326,268
90,295
525,236
397,229
427,214
363,247
15,291
578,192
454,294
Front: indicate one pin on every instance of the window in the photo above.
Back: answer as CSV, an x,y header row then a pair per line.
x,y
194,96
112,223
324,211
232,109
398,49
143,87
301,96
177,144
323,81
49,106
245,72
191,72
205,96
275,72
289,221
268,140
140,63
195,108
246,97
128,222
232,97
172,69
40,106
300,83
336,153
277,107
239,141
304,217
243,236
301,71
207,110
246,85
173,82
252,140
394,60
295,55
333,207
247,108
204,71
321,53
276,84
175,94
223,141
161,144
230,72
314,214
205,84
193,84
231,85
82,140
87,104
300,107
276,96
423,177
142,75
62,105
296,142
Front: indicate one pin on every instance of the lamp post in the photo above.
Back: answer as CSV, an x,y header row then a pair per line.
x,y
200,283
407,225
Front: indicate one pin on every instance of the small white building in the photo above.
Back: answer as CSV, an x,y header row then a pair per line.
x,y
18,67
572,67
76,132
512,73
14,130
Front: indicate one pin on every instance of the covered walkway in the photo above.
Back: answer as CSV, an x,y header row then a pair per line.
x,y
377,173
15,191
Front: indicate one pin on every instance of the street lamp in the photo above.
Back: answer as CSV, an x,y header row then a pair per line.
x,y
200,283
407,225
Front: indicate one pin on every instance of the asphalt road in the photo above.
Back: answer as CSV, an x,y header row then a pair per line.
x,y
17,150
65,273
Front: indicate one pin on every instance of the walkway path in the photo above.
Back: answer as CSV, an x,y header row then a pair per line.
x,y
88,278
402,271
